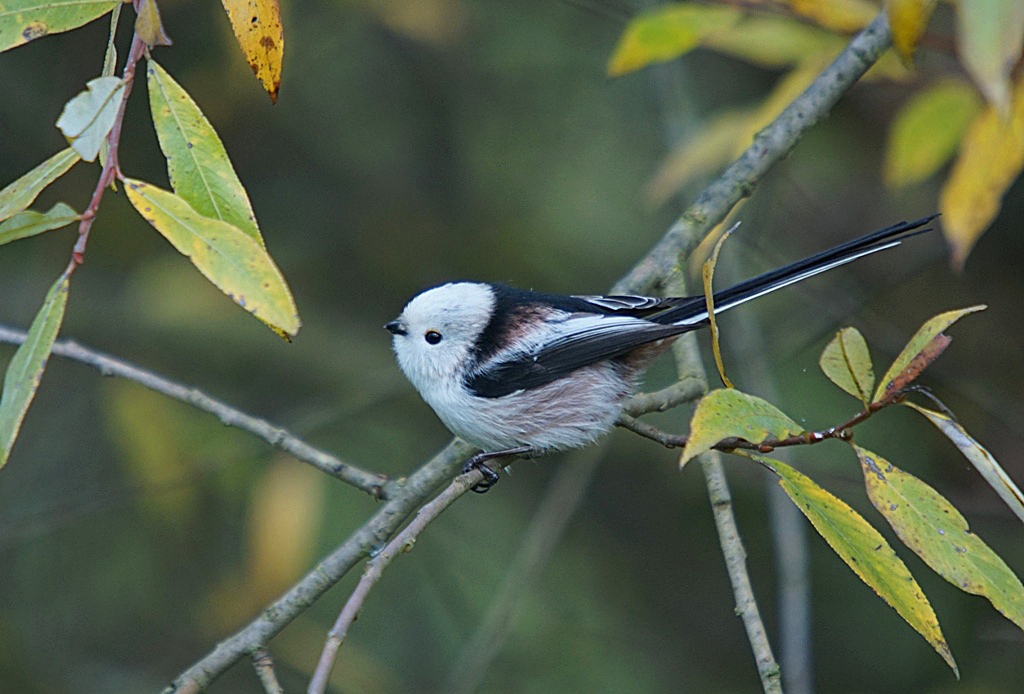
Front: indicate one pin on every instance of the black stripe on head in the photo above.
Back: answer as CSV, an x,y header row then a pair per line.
x,y
515,311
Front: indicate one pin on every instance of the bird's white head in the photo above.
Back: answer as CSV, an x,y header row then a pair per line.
x,y
435,335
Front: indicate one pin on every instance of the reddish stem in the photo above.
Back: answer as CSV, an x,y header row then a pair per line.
x,y
112,167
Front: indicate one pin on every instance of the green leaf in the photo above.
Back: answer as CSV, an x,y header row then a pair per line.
x,y
928,129
980,458
866,552
197,163
30,222
89,116
922,350
929,525
21,193
728,413
26,367
22,21
846,362
990,34
667,32
234,261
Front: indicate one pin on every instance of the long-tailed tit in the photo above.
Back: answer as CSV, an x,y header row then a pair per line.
x,y
523,373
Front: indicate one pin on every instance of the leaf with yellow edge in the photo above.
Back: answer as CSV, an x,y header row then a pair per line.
x,y
990,35
197,163
22,21
234,261
26,368
980,458
30,222
707,276
728,413
866,552
844,16
925,133
846,362
929,525
667,32
907,20
990,160
21,193
926,344
260,33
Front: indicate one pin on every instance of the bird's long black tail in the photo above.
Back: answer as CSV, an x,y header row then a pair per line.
x,y
689,311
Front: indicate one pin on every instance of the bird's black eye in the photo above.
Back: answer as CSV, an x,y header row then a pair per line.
x,y
432,337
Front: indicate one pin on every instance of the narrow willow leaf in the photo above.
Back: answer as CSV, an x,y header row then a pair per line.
x,y
920,351
30,222
908,19
990,35
929,525
22,192
88,117
728,413
260,33
708,275
846,362
22,21
667,32
980,458
866,552
197,163
26,367
991,158
927,130
235,262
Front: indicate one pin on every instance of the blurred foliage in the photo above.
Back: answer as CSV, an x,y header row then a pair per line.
x,y
415,142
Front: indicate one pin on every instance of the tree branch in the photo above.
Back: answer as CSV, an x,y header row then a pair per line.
x,y
371,536
374,484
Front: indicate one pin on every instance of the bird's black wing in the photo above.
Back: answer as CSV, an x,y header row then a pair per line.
x,y
576,341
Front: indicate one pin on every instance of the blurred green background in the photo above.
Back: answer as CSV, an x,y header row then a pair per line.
x,y
417,141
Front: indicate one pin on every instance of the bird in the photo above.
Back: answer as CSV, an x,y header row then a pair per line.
x,y
523,373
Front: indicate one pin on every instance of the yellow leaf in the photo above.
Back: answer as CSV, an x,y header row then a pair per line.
x,y
924,347
907,20
990,160
775,41
866,552
932,527
260,33
708,275
724,414
234,261
667,32
844,16
283,525
926,132
149,26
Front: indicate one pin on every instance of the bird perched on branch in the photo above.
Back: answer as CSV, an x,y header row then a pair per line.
x,y
525,373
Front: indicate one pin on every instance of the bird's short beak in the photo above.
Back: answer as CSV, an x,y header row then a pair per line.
x,y
395,327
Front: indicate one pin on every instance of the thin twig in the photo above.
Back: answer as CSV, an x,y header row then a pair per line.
x,y
367,539
264,665
561,499
374,484
403,542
